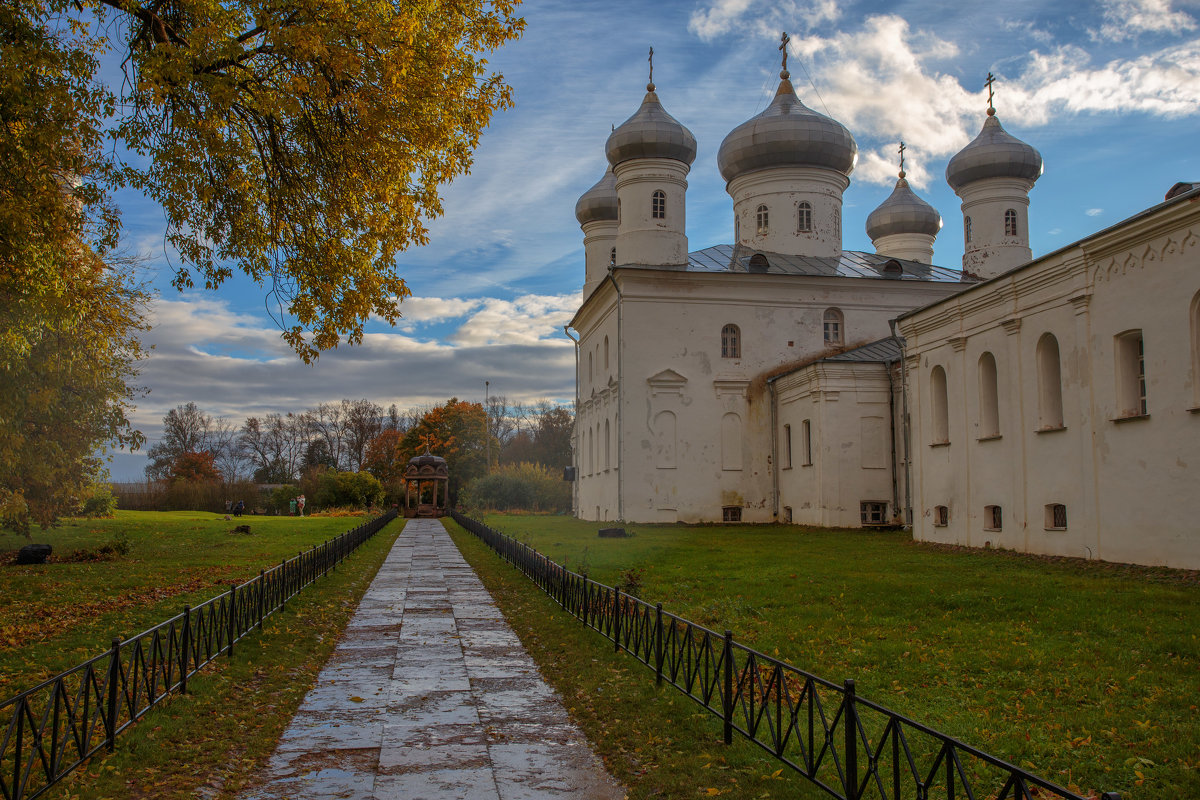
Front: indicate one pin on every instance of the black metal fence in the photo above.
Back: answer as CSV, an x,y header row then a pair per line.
x,y
848,746
58,724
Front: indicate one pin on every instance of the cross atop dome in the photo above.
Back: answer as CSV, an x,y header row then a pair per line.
x,y
990,80
650,84
902,158
783,43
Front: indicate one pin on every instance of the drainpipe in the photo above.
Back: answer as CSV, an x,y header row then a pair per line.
x,y
908,512
887,365
774,448
620,394
575,450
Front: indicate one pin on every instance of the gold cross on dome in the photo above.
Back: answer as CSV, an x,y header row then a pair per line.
x,y
990,80
783,43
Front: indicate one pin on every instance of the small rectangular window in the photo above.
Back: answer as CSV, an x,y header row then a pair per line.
x,y
806,441
993,520
1131,374
731,513
787,446
873,513
1056,517
941,516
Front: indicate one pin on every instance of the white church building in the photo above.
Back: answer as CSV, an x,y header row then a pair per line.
x,y
1049,405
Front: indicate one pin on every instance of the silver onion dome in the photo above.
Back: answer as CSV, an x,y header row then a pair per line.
x,y
650,133
787,134
599,202
903,212
994,153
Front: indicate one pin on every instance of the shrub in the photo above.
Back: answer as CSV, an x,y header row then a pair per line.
x,y
519,487
99,502
346,489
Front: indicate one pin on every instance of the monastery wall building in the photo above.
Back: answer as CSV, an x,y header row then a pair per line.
x,y
1049,406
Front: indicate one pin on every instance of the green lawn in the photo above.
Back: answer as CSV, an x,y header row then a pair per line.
x,y
55,615
1086,673
209,742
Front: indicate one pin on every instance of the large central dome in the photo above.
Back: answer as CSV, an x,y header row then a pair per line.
x,y
787,134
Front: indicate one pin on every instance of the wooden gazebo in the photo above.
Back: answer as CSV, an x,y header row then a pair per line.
x,y
426,486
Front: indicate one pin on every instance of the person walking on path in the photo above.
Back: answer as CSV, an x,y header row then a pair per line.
x,y
429,695
300,504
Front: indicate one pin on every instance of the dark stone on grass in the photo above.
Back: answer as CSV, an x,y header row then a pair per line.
x,y
34,554
613,533
245,529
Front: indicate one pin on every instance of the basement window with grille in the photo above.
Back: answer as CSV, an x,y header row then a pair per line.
x,y
1056,517
731,514
993,520
873,514
941,516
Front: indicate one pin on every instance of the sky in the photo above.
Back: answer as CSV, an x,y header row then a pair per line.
x,y
1108,91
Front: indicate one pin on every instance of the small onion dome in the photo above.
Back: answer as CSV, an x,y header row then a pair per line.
x,y
993,154
787,134
426,464
599,203
650,133
903,212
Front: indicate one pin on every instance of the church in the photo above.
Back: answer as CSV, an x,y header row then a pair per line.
x,y
1047,405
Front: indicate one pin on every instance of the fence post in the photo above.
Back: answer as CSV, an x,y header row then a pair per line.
x,y
184,655
114,674
616,626
325,557
584,586
658,644
232,616
850,722
262,595
18,759
281,583
728,704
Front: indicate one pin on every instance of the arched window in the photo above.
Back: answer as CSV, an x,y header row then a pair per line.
x,y
833,326
658,204
804,218
606,354
731,342
989,400
939,405
607,447
1131,374
763,220
1010,223
1050,406
966,230
612,257
664,440
1196,351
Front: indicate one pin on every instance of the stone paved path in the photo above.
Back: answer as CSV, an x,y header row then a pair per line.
x,y
430,694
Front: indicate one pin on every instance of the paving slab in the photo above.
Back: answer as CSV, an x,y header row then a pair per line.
x,y
429,694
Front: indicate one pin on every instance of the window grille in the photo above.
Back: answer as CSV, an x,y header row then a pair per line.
x,y
873,513
993,520
941,516
805,218
763,220
1010,223
1056,517
731,514
1131,374
659,205
731,344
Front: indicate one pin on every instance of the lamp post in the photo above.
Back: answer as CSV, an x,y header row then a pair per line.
x,y
487,422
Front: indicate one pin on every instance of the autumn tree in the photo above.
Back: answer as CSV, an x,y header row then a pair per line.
x,y
70,310
302,143
456,431
195,467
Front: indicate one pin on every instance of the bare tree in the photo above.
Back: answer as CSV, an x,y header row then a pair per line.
x,y
327,424
362,421
185,430
224,442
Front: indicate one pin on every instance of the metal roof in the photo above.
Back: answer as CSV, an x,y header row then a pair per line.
x,y
850,264
884,350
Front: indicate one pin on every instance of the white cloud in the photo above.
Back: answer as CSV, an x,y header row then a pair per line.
x,y
528,319
1126,19
760,17
436,309
1094,212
